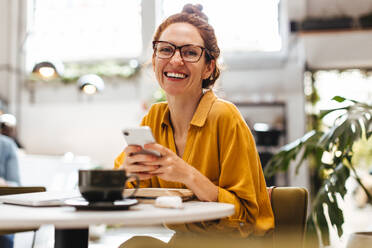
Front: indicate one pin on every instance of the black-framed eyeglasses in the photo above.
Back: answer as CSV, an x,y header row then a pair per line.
x,y
166,50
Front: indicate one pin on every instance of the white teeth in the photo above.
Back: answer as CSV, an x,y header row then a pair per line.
x,y
175,75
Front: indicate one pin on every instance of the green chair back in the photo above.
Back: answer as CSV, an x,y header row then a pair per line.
x,y
289,205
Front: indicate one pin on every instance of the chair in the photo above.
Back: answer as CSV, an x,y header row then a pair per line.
x,y
289,205
19,190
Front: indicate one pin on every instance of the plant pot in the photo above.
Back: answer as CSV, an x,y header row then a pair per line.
x,y
360,240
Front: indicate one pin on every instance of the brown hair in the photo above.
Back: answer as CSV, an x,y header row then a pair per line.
x,y
193,15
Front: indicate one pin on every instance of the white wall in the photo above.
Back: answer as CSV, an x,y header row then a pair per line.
x,y
348,49
297,9
63,120
333,8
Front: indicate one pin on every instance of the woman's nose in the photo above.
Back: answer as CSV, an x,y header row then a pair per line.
x,y
176,58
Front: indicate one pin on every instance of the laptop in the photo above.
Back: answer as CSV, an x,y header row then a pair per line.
x,y
40,199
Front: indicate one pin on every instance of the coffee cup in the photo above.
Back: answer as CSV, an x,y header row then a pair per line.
x,y
104,185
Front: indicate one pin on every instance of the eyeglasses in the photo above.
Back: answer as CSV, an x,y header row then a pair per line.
x,y
166,50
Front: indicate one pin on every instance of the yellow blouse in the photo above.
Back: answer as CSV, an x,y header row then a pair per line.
x,y
220,145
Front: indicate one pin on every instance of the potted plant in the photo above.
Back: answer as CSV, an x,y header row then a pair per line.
x,y
353,122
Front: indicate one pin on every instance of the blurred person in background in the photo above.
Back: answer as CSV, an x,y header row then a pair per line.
x,y
9,176
8,124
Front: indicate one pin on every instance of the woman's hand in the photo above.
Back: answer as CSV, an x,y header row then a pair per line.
x,y
136,163
170,166
175,169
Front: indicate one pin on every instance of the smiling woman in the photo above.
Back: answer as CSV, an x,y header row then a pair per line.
x,y
185,67
205,144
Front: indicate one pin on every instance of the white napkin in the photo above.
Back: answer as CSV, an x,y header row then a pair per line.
x,y
168,202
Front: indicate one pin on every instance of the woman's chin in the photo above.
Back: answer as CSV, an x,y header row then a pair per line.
x,y
174,91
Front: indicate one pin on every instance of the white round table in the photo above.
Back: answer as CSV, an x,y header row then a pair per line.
x,y
73,225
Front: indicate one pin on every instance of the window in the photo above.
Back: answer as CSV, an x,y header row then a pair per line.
x,y
352,84
78,30
240,25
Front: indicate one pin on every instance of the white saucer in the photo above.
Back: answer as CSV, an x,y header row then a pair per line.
x,y
82,204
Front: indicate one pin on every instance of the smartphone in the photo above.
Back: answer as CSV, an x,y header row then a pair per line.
x,y
140,136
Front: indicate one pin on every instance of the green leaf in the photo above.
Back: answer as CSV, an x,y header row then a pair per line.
x,y
303,157
338,179
331,136
342,99
319,216
317,152
345,139
358,134
289,152
335,214
339,98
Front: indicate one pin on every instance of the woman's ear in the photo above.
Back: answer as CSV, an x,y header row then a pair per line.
x,y
153,63
209,69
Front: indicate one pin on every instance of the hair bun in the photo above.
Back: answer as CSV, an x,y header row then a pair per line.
x,y
195,9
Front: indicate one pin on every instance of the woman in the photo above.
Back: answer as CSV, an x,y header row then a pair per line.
x,y
205,144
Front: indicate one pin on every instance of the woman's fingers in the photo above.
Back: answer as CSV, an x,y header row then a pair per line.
x,y
137,163
157,171
165,160
129,150
141,176
139,158
157,147
140,168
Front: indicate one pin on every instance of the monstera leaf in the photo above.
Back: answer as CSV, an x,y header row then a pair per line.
x,y
353,123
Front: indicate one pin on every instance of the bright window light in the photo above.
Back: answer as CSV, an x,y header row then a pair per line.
x,y
78,30
240,25
352,84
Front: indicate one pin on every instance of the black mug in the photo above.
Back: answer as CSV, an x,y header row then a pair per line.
x,y
104,185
